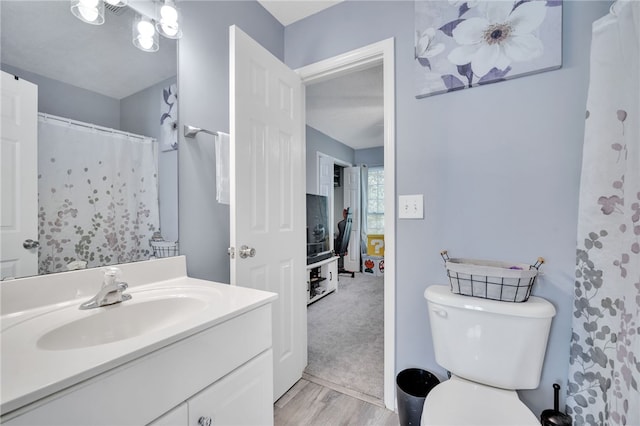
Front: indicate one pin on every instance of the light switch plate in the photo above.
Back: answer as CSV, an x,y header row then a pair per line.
x,y
411,206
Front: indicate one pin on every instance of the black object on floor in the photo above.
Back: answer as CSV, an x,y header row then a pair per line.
x,y
412,387
554,417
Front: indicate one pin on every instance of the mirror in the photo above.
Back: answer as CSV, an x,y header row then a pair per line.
x,y
94,77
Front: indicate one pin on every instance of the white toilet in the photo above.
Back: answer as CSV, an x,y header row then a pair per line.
x,y
491,348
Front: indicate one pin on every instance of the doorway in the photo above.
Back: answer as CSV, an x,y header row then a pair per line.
x,y
378,54
346,329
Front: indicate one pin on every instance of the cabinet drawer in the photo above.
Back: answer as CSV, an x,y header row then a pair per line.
x,y
243,397
176,417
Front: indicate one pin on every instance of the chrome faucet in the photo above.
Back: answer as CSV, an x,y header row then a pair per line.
x,y
110,293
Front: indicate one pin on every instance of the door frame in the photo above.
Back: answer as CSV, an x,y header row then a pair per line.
x,y
359,59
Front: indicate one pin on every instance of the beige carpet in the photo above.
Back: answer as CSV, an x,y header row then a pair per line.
x,y
345,335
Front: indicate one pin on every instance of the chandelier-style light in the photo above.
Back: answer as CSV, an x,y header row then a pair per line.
x,y
89,11
145,36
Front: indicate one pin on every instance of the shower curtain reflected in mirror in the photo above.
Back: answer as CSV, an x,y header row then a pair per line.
x,y
97,195
604,372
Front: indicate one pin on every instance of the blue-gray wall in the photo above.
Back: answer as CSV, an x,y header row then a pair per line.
x,y
370,156
498,165
140,114
203,83
65,100
320,142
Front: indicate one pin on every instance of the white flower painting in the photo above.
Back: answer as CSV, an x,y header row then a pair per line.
x,y
463,44
169,118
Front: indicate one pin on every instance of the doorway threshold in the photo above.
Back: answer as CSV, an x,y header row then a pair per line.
x,y
344,390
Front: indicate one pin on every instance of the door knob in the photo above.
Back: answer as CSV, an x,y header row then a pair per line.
x,y
246,251
30,244
204,421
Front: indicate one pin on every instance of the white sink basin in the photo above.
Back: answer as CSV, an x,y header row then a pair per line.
x,y
48,344
121,321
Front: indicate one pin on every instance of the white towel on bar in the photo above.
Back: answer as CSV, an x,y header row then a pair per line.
x,y
222,168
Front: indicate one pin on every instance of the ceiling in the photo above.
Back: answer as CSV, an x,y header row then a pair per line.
x,y
349,108
288,12
43,37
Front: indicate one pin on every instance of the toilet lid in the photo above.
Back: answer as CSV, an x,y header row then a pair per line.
x,y
460,402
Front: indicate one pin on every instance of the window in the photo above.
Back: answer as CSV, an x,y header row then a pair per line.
x,y
375,200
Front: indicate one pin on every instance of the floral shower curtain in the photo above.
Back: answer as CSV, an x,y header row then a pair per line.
x,y
97,195
604,372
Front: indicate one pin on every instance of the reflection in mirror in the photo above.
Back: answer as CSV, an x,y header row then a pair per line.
x,y
107,138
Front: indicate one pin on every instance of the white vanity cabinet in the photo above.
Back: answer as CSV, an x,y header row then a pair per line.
x,y
176,417
236,399
223,373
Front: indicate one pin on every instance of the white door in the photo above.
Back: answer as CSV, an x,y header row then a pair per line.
x,y
19,173
267,186
325,176
352,200
325,187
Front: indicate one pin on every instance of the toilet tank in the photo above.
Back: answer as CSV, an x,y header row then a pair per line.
x,y
500,344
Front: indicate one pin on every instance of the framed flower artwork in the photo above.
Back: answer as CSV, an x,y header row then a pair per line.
x,y
461,44
169,118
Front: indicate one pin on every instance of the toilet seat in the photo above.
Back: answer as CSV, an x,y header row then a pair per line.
x,y
461,402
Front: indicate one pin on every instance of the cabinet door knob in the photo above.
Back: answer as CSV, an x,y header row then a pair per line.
x,y
204,421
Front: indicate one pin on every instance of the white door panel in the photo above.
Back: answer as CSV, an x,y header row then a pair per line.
x,y
19,172
325,176
352,200
325,187
267,188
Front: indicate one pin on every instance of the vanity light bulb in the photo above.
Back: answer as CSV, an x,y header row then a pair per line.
x,y
145,42
170,29
169,14
89,11
145,29
145,36
168,25
90,14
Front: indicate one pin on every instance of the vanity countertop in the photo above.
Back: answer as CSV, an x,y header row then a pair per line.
x,y
33,368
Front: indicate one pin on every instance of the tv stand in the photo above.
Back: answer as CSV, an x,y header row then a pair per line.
x,y
322,279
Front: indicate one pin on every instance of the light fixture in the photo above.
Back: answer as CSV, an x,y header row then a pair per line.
x,y
145,36
165,18
168,23
89,11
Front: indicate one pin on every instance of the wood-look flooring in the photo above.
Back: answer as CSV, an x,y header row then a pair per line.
x,y
312,402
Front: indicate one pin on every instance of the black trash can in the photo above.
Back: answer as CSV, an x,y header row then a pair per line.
x,y
412,387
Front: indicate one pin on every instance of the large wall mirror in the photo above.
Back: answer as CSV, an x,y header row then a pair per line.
x,y
107,123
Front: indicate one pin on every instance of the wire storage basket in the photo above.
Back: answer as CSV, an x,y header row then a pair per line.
x,y
506,282
164,248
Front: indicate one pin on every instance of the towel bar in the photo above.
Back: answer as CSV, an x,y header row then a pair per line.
x,y
191,131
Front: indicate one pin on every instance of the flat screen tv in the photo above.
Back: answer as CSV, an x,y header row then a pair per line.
x,y
318,229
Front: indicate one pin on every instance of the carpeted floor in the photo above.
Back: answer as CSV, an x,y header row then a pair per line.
x,y
345,335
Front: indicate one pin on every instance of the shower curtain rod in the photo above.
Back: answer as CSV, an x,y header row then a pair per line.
x,y
46,116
